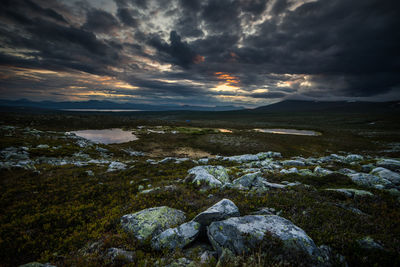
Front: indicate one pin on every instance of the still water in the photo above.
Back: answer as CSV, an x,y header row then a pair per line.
x,y
107,136
288,131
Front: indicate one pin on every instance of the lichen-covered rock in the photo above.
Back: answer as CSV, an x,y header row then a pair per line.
x,y
120,255
383,173
182,262
291,162
391,164
211,175
350,192
116,166
177,237
289,171
369,243
353,158
306,172
249,181
269,154
346,171
243,234
221,210
242,158
321,171
150,222
369,180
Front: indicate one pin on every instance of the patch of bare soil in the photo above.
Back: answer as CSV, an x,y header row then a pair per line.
x,y
180,152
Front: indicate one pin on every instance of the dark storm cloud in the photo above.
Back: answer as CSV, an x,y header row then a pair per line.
x,y
101,21
271,49
221,15
14,9
126,17
179,52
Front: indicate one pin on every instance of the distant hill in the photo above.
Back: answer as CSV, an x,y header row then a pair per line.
x,y
96,104
333,106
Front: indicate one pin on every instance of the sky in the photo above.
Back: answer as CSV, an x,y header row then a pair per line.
x,y
200,52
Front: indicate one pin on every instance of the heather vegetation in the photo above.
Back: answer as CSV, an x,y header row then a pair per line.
x,y
63,197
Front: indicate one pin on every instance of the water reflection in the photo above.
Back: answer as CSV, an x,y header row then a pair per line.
x,y
288,131
107,136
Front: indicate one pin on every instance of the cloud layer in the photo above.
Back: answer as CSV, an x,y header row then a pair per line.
x,y
213,52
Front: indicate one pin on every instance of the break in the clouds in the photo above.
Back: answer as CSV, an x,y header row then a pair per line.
x,y
203,52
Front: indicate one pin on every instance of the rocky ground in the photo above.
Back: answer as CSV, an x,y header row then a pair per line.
x,y
68,201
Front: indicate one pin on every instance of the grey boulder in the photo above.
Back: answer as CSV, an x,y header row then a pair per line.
x,y
178,237
243,234
321,171
369,243
391,164
151,222
220,211
211,175
120,255
350,192
383,173
297,163
249,181
353,158
369,180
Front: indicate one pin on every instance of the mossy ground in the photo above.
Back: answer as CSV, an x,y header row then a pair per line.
x,y
54,214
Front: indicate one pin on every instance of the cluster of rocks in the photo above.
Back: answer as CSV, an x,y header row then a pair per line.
x,y
383,174
224,228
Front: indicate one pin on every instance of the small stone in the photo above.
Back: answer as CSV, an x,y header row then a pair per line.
x,y
369,243
120,255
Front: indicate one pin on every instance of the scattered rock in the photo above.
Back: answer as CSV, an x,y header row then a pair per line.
x,y
289,171
367,167
249,181
321,171
178,237
369,243
269,154
222,210
297,163
117,255
353,158
369,180
211,175
391,164
151,222
350,192
133,153
42,146
242,158
173,159
116,166
243,234
350,208
182,262
207,256
387,175
265,211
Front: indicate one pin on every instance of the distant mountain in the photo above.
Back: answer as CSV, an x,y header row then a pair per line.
x,y
330,106
104,104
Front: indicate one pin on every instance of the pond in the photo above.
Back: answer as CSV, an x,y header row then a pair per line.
x,y
288,131
107,136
